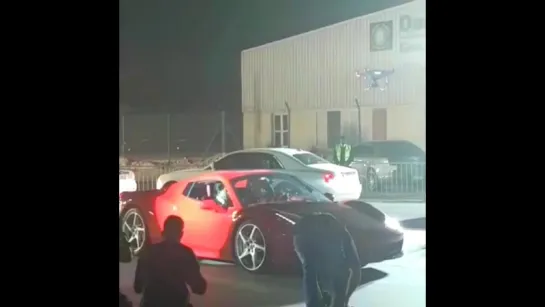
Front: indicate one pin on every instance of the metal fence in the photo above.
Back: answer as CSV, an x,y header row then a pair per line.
x,y
165,136
402,181
395,180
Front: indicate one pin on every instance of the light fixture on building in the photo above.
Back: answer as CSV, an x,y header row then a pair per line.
x,y
375,78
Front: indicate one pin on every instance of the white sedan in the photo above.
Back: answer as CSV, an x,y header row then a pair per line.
x,y
339,181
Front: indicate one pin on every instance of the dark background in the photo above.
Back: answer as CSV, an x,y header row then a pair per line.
x,y
185,55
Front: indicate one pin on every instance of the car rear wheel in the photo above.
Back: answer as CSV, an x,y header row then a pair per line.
x,y
134,229
250,248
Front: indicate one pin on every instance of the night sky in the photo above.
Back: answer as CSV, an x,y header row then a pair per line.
x,y
185,54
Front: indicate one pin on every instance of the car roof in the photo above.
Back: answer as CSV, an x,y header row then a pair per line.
x,y
230,174
271,150
383,142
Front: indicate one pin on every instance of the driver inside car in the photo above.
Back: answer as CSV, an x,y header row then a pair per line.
x,y
219,194
259,190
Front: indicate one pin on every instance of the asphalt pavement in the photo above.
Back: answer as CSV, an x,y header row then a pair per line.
x,y
396,283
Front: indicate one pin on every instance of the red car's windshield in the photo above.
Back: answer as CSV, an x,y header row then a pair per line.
x,y
264,188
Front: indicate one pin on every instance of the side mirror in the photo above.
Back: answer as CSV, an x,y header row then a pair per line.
x,y
209,204
330,196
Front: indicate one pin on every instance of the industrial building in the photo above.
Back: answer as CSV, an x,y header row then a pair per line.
x,y
363,78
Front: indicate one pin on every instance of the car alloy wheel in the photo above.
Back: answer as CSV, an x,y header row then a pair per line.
x,y
135,230
250,247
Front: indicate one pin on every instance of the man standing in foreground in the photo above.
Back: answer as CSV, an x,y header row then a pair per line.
x,y
165,270
342,153
329,260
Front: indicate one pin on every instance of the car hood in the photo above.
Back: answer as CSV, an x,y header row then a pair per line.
x,y
353,215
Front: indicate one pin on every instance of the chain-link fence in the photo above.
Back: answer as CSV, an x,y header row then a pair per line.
x,y
176,135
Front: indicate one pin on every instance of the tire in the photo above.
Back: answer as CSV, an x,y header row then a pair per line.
x,y
251,255
371,182
133,221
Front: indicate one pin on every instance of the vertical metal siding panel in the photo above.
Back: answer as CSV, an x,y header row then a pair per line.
x,y
271,77
286,75
244,73
314,51
264,72
276,53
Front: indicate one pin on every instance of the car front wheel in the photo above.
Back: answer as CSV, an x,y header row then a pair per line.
x,y
250,248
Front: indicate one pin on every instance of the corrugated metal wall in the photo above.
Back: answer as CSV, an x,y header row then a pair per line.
x,y
316,70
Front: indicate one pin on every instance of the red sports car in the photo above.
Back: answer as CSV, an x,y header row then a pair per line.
x,y
247,217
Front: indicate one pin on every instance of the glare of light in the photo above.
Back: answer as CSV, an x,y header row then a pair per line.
x,y
392,224
285,218
235,216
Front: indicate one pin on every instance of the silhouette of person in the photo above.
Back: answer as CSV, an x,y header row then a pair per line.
x,y
165,269
329,260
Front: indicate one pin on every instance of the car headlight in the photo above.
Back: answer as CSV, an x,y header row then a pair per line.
x,y
392,224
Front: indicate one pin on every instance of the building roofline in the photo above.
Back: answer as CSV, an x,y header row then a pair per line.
x,y
308,33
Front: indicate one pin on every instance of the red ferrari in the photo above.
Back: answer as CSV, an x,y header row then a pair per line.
x,y
247,217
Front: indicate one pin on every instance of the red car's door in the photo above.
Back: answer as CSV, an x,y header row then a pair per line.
x,y
182,200
217,225
195,230
207,230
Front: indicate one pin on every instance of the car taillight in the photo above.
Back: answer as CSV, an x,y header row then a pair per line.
x,y
328,177
121,196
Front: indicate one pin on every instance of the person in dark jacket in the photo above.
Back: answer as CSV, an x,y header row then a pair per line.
x,y
165,269
329,260
125,256
342,153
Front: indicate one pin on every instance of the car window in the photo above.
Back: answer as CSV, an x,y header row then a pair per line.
x,y
248,160
229,162
187,189
196,191
202,190
309,158
363,151
223,163
253,189
266,161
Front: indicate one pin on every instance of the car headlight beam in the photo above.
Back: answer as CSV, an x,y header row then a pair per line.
x,y
392,224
